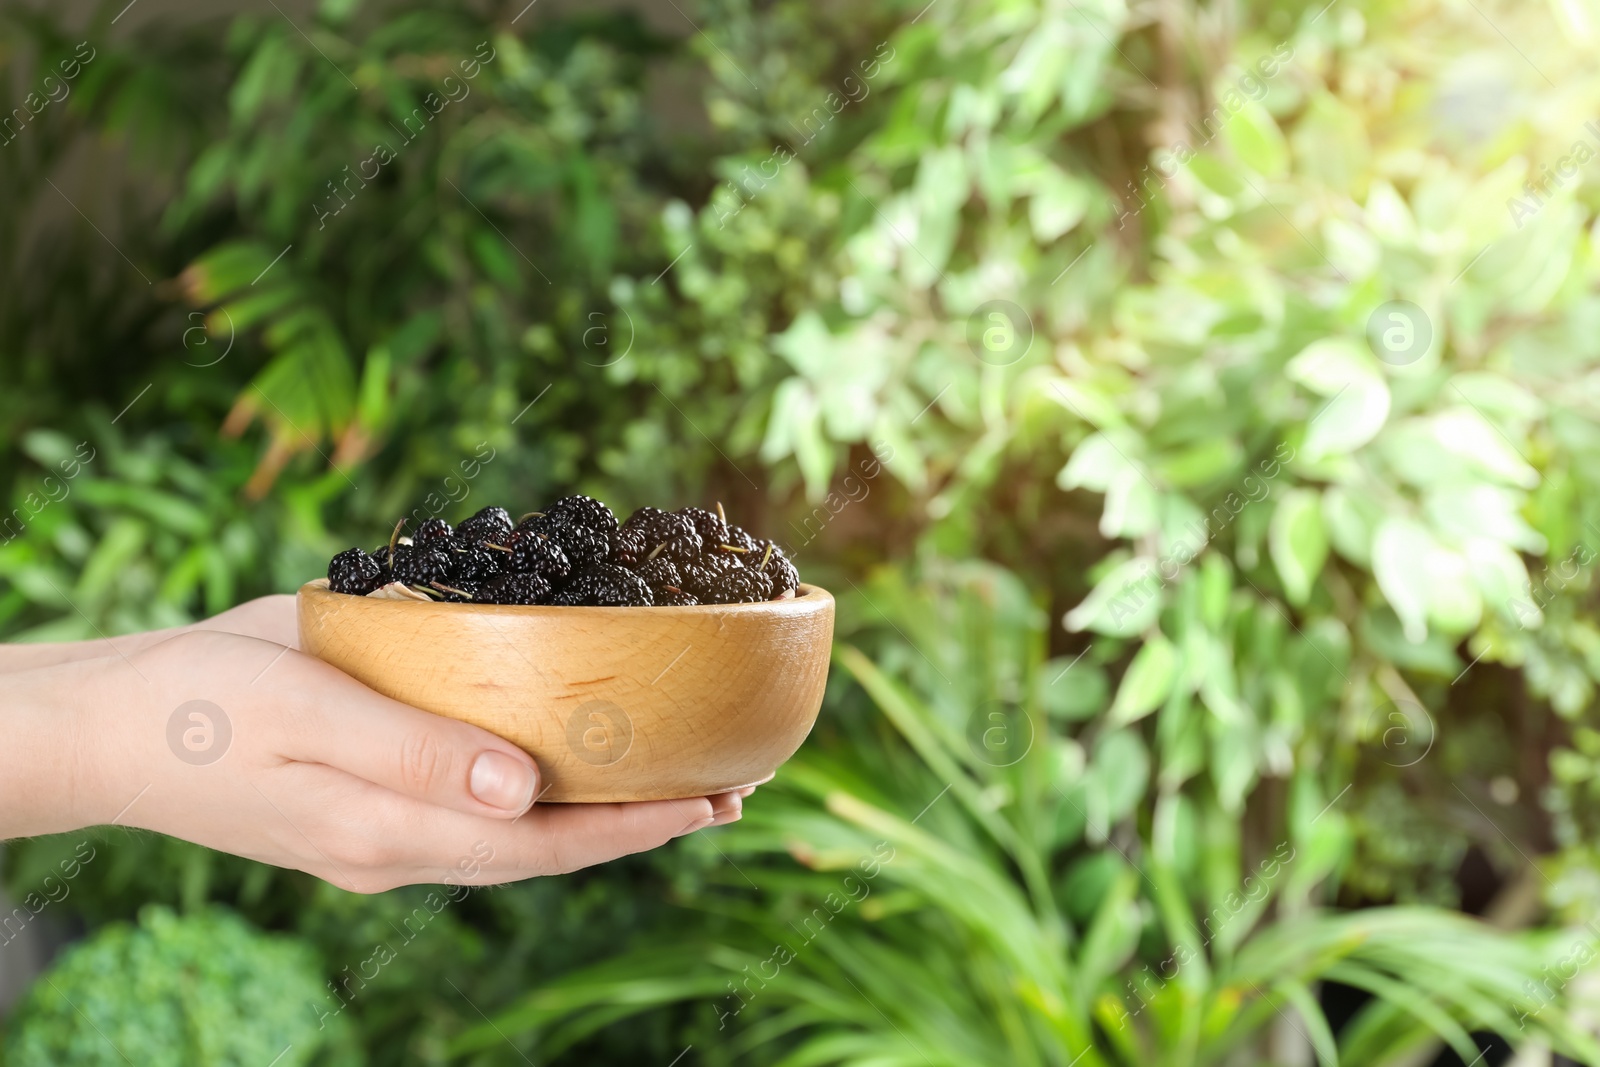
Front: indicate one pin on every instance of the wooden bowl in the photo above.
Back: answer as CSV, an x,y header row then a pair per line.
x,y
613,703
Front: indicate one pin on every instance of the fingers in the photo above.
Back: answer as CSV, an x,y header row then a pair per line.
x,y
439,761
561,838
362,837
726,807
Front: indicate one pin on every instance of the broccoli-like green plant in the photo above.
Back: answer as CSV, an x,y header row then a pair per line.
x,y
174,989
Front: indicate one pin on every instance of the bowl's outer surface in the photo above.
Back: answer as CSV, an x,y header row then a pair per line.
x,y
614,703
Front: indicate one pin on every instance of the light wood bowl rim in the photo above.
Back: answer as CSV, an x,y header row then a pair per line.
x,y
806,598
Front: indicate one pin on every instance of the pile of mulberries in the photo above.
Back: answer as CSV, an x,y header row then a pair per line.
x,y
574,553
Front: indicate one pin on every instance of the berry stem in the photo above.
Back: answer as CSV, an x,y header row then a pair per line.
x,y
395,537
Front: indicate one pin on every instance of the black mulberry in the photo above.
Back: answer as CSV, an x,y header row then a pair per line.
x,y
431,530
605,585
583,545
584,510
422,566
475,564
782,573
737,539
708,524
516,589
665,534
353,571
717,578
532,552
491,525
659,571
629,549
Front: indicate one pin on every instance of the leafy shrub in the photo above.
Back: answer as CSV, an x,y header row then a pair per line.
x,y
178,990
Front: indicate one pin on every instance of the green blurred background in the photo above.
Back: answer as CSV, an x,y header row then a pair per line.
x,y
1215,679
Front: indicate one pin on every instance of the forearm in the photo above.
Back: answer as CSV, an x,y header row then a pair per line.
x,y
50,781
28,657
269,618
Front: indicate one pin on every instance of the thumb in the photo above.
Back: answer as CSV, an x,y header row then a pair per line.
x,y
440,761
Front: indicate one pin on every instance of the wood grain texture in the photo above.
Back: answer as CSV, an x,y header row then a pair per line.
x,y
615,703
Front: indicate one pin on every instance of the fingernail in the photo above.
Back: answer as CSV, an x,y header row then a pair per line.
x,y
503,782
698,824
726,817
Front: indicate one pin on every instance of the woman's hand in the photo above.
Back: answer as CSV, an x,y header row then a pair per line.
x,y
253,748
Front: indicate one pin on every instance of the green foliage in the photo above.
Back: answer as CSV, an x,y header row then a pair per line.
x,y
1001,923
202,988
1106,289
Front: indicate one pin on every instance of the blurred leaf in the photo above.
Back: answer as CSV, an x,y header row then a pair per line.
x,y
1401,553
1123,603
1358,399
1256,139
1147,681
1298,543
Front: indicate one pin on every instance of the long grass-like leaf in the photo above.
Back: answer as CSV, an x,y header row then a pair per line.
x,y
1319,1032
912,721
